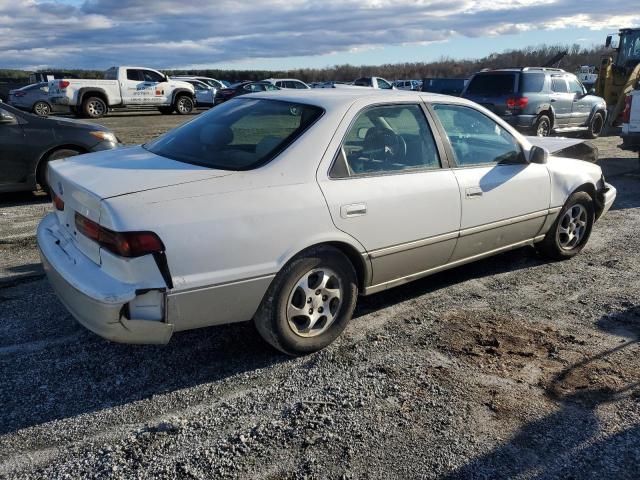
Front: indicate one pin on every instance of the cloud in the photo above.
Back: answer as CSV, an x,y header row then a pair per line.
x,y
169,33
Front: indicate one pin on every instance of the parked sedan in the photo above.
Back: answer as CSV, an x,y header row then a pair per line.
x,y
29,142
32,98
283,208
242,88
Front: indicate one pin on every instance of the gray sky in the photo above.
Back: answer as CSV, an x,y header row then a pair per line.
x,y
285,34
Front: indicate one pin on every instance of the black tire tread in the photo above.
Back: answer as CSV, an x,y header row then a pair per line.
x,y
265,317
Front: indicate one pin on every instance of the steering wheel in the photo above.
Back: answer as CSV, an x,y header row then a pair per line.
x,y
384,144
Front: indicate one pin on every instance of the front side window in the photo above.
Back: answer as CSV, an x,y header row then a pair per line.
x,y
240,134
387,139
575,86
475,138
383,84
151,76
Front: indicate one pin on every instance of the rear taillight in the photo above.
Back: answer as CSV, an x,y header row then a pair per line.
x,y
63,84
57,201
125,244
626,113
517,102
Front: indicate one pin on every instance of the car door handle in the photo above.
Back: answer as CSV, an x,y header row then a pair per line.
x,y
353,210
473,192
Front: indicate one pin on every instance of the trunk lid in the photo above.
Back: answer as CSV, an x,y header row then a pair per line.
x,y
128,170
83,182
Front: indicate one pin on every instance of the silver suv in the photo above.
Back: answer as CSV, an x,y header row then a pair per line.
x,y
539,100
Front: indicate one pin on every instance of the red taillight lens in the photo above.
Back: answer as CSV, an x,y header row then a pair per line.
x,y
57,201
63,84
517,102
125,244
626,113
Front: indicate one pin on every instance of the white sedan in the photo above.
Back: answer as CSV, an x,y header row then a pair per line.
x,y
284,207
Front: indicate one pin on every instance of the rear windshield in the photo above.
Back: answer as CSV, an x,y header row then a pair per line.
x,y
492,84
240,134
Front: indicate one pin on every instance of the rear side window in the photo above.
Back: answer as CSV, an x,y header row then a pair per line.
x,y
559,85
134,75
493,84
385,140
240,134
363,82
532,82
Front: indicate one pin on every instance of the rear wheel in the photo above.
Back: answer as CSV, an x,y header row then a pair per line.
x,y
309,303
184,105
596,125
94,107
571,230
41,175
543,126
42,109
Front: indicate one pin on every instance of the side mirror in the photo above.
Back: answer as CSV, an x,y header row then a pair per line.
x,y
6,118
607,42
538,155
614,41
592,91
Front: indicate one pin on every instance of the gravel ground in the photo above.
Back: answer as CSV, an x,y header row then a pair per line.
x,y
512,367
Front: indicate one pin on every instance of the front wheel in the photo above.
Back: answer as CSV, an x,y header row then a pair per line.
x,y
309,303
184,105
570,232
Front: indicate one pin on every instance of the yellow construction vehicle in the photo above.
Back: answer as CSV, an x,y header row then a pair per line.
x,y
618,77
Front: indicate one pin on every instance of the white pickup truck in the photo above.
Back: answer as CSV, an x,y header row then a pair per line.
x,y
631,121
123,87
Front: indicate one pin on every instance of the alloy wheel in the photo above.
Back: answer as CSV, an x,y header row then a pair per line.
x,y
314,302
572,227
95,108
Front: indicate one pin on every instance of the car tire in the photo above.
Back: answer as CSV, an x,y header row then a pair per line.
x,y
41,174
320,280
184,105
166,110
596,125
42,109
94,107
542,127
570,232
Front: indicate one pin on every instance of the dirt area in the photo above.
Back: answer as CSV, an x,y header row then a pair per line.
x,y
512,367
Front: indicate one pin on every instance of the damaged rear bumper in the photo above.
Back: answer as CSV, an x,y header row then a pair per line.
x,y
96,300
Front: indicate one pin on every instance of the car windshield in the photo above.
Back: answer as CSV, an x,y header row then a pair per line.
x,y
492,84
241,134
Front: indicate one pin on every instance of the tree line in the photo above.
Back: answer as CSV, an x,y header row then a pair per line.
x,y
443,67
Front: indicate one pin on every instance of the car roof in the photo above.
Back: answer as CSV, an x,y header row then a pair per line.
x,y
343,97
282,79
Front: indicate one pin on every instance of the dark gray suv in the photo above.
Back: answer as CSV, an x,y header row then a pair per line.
x,y
539,100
